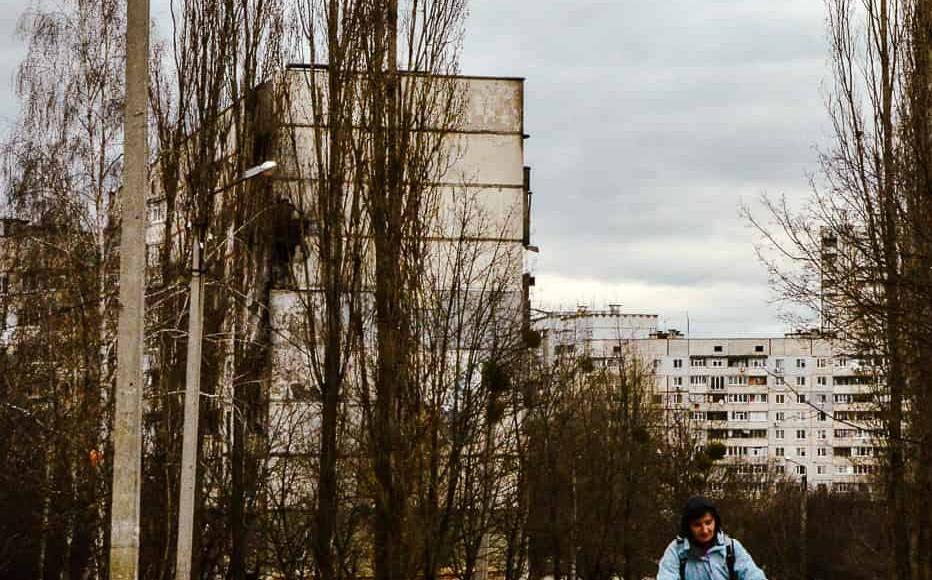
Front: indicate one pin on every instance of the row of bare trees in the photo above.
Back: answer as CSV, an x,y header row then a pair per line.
x,y
858,254
393,461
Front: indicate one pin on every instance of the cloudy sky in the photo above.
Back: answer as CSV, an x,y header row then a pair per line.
x,y
650,122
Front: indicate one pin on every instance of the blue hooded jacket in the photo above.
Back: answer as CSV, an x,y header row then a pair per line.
x,y
711,566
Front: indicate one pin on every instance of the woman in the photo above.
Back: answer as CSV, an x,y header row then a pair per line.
x,y
703,551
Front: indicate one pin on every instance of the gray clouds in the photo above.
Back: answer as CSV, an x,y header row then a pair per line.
x,y
649,123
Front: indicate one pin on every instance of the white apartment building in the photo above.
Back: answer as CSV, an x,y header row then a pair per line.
x,y
483,220
796,403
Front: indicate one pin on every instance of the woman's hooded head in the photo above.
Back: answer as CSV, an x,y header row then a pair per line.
x,y
695,508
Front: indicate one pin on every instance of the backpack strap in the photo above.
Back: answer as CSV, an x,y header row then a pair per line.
x,y
683,557
730,559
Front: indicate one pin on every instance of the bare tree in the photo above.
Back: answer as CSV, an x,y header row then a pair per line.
x,y
210,129
855,254
61,173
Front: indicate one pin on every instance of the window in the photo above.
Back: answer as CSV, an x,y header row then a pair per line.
x,y
757,416
697,362
657,399
156,212
778,451
800,433
822,398
778,434
800,398
800,363
821,363
800,381
758,363
822,434
739,415
800,452
698,380
301,392
822,452
778,363
718,383
781,399
717,362
717,348
800,470
152,255
738,363
779,469
780,416
820,469
841,362
738,380
822,381
698,416
842,469
677,363
677,381
759,348
779,381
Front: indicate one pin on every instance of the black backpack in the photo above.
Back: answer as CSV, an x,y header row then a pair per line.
x,y
729,561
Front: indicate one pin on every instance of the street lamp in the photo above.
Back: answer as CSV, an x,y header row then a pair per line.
x,y
192,390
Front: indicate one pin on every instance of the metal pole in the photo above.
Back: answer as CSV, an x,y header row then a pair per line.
x,y
127,428
192,393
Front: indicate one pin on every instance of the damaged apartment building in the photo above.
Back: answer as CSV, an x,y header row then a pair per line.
x,y
263,262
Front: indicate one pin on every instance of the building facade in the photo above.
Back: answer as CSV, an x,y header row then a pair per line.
x,y
798,404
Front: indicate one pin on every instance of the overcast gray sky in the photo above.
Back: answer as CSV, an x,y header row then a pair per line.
x,y
650,121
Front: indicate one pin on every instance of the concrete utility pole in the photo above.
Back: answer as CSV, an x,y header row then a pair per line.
x,y
127,427
192,394
192,390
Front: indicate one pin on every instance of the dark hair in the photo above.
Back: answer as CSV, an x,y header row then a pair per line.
x,y
695,508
